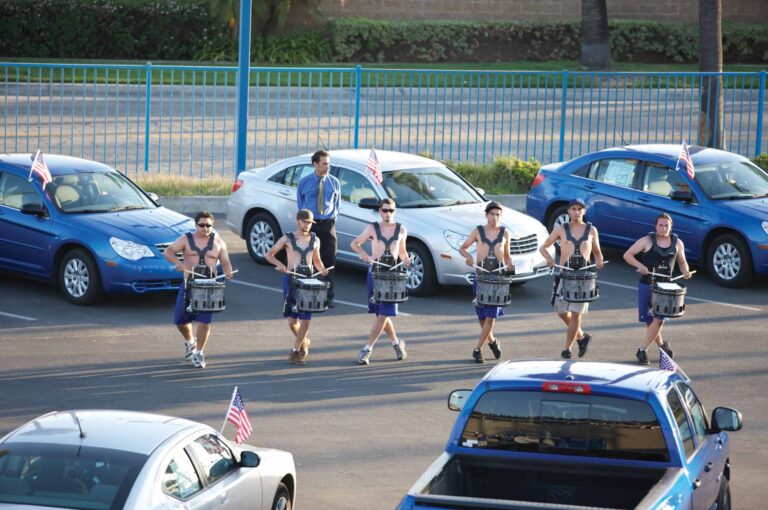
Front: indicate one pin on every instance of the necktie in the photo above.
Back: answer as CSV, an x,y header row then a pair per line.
x,y
320,197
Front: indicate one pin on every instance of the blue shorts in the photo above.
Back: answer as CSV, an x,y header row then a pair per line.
x,y
644,312
182,316
289,302
483,311
383,309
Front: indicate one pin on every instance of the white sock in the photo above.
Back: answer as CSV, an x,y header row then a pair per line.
x,y
367,348
197,351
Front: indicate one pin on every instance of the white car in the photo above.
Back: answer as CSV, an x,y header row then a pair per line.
x,y
110,460
438,207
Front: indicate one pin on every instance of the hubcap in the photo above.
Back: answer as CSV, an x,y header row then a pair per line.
x,y
282,503
262,238
415,272
726,261
560,220
76,278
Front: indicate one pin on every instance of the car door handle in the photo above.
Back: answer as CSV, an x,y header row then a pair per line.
x,y
590,186
224,498
696,483
285,192
644,200
708,467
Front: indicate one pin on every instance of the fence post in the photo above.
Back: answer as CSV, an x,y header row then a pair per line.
x,y
147,113
243,83
562,116
760,106
358,79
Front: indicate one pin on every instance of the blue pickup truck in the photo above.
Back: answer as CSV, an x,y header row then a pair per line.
x,y
567,435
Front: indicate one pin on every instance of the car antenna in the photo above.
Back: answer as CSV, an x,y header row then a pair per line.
x,y
325,147
79,425
622,139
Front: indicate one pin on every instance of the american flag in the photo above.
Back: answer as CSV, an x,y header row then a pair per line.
x,y
373,166
238,417
40,169
684,163
666,363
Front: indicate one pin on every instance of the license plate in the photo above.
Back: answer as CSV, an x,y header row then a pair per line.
x,y
523,266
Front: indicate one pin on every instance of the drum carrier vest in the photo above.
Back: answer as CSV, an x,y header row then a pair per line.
x,y
303,268
490,263
577,260
659,260
387,257
202,268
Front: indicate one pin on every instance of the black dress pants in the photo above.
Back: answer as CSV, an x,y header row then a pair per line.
x,y
325,230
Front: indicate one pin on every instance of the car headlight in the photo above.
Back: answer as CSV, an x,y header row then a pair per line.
x,y
455,240
765,227
130,250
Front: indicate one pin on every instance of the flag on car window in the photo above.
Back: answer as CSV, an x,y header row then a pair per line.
x,y
239,418
374,166
684,163
40,169
665,362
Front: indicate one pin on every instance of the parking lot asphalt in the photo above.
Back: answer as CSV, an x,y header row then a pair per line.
x,y
360,435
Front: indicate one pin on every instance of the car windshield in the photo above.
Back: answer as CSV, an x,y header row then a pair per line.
x,y
96,192
428,187
732,180
67,476
565,424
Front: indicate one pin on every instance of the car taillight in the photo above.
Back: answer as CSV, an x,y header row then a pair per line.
x,y
537,180
237,185
566,387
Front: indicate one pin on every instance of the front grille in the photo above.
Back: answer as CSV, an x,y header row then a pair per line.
x,y
161,247
149,285
523,245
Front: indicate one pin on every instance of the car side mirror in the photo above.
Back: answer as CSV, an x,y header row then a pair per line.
x,y
457,399
725,418
34,209
682,196
249,459
481,191
369,203
153,197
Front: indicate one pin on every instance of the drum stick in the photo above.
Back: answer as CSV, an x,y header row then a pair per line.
x,y
296,274
658,274
375,262
196,274
224,275
327,269
501,268
594,265
480,268
396,265
564,267
678,277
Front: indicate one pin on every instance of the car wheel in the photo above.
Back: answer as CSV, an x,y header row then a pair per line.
x,y
724,496
558,217
421,275
282,498
729,261
79,278
261,235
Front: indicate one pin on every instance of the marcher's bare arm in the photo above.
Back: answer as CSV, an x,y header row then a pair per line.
x,y
682,262
596,249
631,254
226,265
403,250
270,256
360,240
316,262
507,258
172,250
472,239
552,239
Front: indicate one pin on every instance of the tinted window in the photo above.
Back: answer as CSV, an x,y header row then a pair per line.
x,y
682,421
354,186
214,457
581,172
661,180
67,476
279,177
698,416
614,171
16,191
180,479
299,173
566,424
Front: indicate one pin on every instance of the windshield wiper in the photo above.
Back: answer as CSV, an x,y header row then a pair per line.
x,y
458,202
87,211
127,208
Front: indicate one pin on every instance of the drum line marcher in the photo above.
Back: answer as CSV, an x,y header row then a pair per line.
x,y
202,261
302,249
320,193
488,255
578,241
388,240
659,250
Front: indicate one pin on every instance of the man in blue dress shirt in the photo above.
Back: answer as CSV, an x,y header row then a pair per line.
x,y
320,193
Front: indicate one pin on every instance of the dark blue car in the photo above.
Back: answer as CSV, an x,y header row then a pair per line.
x,y
721,215
91,230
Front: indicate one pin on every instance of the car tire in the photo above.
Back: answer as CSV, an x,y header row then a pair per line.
x,y
282,499
422,280
729,261
557,217
724,496
261,235
79,278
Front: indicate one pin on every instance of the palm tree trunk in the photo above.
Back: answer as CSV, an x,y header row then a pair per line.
x,y
595,38
711,61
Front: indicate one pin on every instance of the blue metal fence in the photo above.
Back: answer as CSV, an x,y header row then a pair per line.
x,y
183,119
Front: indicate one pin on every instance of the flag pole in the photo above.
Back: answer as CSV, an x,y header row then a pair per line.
x,y
677,163
31,169
228,408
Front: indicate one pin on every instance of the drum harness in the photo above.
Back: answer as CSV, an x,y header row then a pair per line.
x,y
576,261
490,263
659,259
201,267
303,268
386,257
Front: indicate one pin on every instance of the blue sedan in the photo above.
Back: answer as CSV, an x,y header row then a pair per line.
x,y
91,230
721,215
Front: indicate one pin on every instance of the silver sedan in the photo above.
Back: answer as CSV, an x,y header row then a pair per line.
x,y
437,205
109,460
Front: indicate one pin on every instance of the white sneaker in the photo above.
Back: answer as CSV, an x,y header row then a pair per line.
x,y
400,350
365,356
189,350
198,360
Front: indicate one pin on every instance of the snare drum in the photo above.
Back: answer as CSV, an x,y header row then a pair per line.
x,y
390,286
579,286
668,299
493,289
206,295
311,295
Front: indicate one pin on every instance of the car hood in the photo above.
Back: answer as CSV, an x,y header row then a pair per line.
x,y
463,218
151,226
755,207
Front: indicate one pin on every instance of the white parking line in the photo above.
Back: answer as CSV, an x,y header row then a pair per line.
x,y
687,298
273,289
21,317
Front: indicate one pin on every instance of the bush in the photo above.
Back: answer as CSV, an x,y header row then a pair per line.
x,y
761,161
506,174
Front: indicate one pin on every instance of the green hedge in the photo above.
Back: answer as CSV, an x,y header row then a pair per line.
x,y
365,40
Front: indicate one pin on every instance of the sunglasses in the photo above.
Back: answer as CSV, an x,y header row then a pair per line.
x,y
205,225
387,210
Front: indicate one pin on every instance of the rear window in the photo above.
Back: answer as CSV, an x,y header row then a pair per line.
x,y
565,424
67,476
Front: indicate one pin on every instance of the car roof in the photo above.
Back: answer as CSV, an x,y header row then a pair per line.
x,y
672,151
57,164
389,160
119,430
